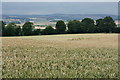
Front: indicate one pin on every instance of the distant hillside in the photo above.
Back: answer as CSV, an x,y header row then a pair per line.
x,y
52,17
79,16
68,16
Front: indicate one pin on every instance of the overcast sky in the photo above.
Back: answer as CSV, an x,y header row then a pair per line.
x,y
60,0
39,8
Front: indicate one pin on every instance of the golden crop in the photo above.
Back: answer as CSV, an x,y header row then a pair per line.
x,y
61,56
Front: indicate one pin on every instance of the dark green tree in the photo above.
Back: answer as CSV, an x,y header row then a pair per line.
x,y
88,25
106,25
2,28
18,31
10,29
60,27
48,30
117,30
37,32
27,28
99,23
109,24
74,26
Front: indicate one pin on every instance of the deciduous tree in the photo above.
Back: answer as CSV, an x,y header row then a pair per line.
x,y
60,27
27,28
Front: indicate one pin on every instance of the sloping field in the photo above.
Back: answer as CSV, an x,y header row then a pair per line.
x,y
61,56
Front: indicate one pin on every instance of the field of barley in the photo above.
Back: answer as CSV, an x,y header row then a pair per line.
x,y
60,56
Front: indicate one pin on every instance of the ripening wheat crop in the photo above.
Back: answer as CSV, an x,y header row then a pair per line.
x,y
61,56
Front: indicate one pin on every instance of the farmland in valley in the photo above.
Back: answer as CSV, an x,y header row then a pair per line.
x,y
60,56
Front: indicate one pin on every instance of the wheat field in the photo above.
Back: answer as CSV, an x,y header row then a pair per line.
x,y
60,56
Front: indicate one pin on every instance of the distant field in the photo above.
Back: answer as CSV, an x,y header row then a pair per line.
x,y
61,56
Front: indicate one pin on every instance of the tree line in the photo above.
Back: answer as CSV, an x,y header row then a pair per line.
x,y
87,25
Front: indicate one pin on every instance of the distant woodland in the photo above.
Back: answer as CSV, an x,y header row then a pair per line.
x,y
87,25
